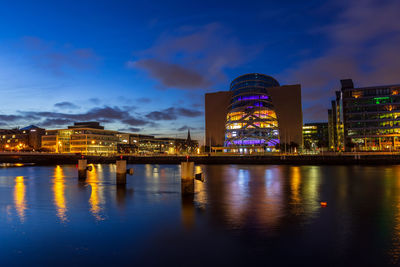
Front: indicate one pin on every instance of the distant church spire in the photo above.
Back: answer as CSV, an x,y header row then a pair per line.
x,y
188,139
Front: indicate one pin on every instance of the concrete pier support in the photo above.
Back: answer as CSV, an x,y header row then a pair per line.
x,y
121,172
187,178
82,169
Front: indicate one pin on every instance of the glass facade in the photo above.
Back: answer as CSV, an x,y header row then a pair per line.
x,y
251,118
372,118
315,136
81,140
335,124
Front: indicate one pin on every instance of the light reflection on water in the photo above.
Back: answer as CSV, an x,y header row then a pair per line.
x,y
59,194
263,212
97,200
19,197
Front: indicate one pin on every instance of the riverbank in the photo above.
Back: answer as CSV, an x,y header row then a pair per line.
x,y
340,159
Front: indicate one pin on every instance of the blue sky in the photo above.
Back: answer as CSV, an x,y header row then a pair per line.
x,y
144,66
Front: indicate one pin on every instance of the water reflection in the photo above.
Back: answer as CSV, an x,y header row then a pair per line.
x,y
248,196
295,180
393,191
97,199
262,197
59,194
311,190
19,197
267,210
200,197
123,194
188,212
268,197
149,170
191,202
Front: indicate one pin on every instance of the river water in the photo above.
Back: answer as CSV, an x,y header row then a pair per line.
x,y
241,215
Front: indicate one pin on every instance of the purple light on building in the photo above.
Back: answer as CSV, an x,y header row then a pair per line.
x,y
270,143
255,97
273,142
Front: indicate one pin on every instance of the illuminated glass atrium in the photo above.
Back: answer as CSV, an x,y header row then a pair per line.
x,y
251,118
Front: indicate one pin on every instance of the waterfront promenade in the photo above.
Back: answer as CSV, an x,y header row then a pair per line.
x,y
298,159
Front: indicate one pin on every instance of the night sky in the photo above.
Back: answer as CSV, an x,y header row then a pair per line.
x,y
144,66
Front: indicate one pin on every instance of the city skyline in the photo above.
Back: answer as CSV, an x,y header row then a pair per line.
x,y
139,69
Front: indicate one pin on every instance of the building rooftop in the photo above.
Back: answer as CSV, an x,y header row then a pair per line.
x,y
348,84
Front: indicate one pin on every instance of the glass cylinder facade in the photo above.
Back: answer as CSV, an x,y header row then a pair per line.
x,y
251,118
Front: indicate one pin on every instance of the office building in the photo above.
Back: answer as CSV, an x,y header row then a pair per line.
x,y
87,138
371,117
24,139
216,110
335,124
316,136
90,138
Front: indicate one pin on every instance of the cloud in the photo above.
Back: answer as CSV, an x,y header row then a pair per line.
x,y
192,57
10,118
129,108
55,122
185,128
130,129
364,45
164,115
143,100
95,101
59,58
104,114
173,113
173,75
191,113
135,122
66,105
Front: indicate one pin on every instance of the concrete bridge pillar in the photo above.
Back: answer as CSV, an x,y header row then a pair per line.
x,y
82,169
187,178
122,171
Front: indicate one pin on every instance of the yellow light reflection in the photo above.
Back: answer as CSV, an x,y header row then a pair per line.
x,y
19,197
295,197
59,194
97,196
201,190
311,190
156,173
148,171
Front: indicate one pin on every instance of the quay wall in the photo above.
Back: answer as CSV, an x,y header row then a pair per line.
x,y
58,159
